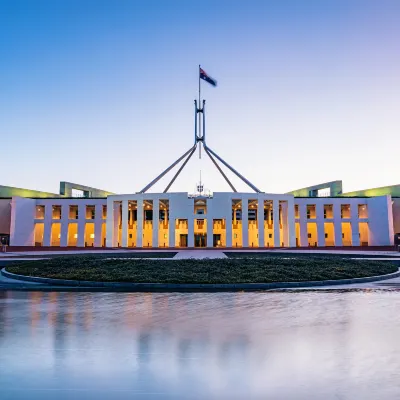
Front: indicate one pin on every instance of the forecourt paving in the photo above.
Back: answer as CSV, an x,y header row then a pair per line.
x,y
200,254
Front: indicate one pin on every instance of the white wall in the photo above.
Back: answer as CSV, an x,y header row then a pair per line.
x,y
5,215
380,220
22,221
396,214
380,215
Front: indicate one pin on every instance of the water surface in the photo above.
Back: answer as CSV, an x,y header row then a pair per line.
x,y
281,345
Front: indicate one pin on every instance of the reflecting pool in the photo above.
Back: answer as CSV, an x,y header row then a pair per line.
x,y
273,345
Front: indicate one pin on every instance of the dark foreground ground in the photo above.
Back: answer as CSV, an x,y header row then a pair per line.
x,y
230,270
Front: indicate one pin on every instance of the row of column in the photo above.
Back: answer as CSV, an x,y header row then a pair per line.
x,y
320,221
65,221
113,220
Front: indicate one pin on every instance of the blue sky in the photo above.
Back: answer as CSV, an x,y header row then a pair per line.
x,y
101,92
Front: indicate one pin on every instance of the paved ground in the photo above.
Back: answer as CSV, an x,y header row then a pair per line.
x,y
201,253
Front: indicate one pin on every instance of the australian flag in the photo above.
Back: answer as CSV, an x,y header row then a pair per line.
x,y
207,78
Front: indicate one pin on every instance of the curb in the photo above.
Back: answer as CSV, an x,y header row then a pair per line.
x,y
187,287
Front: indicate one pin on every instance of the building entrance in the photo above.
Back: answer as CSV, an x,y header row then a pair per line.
x,y
183,241
216,240
200,240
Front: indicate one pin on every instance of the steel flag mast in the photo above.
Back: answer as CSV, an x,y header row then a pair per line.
x,y
200,141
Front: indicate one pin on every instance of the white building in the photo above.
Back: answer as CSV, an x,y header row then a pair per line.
x,y
178,220
81,216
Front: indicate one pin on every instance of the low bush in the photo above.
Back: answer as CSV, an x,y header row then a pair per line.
x,y
227,270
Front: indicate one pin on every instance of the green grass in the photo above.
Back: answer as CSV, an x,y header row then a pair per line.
x,y
229,270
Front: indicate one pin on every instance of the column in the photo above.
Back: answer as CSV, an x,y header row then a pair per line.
x,y
48,216
355,228
284,221
210,231
245,222
275,208
81,225
228,224
260,221
291,223
139,222
116,212
156,221
303,225
210,224
171,229
124,220
64,225
110,223
319,210
98,224
191,230
337,224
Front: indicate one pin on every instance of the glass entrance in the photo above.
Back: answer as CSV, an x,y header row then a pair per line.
x,y
216,240
200,240
183,240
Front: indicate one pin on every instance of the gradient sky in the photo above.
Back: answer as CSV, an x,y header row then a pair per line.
x,y
101,92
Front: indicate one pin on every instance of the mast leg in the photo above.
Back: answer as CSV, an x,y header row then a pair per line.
x,y
180,170
219,169
146,188
232,169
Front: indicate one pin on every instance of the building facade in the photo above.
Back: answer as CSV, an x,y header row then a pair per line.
x,y
180,220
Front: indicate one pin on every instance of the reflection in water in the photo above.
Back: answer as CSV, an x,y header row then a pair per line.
x,y
283,345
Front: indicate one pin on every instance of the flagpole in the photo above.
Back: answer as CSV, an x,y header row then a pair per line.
x,y
200,133
199,86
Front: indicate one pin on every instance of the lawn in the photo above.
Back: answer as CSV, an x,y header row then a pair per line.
x,y
228,270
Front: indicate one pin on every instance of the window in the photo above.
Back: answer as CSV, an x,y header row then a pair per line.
x,y
73,212
252,214
56,214
90,212
130,236
200,223
200,211
148,215
309,236
345,211
328,211
270,236
362,211
326,236
311,213
104,212
39,212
